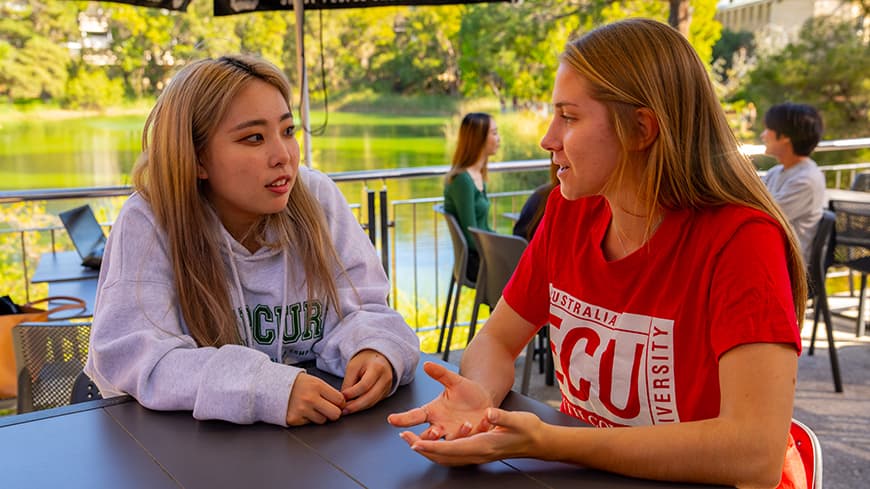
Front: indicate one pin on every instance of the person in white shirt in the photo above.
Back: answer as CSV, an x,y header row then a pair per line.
x,y
791,133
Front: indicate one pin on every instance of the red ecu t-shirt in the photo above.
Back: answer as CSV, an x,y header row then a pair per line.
x,y
637,341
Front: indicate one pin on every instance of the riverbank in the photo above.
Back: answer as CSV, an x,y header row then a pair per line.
x,y
18,113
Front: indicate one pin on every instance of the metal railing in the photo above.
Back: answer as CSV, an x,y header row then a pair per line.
x,y
413,252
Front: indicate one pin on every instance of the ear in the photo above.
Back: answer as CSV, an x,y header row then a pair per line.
x,y
201,172
648,128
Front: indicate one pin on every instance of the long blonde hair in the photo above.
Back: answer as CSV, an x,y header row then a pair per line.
x,y
694,163
470,143
176,134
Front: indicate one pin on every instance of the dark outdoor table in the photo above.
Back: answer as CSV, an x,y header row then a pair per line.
x,y
118,443
62,266
847,195
65,276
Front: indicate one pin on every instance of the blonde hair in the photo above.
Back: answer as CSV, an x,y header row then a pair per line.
x,y
473,133
176,134
694,163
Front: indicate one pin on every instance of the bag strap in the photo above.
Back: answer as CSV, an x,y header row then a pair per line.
x,y
74,303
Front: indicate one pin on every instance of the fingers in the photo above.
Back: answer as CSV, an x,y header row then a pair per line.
x,y
440,373
358,386
464,451
412,417
463,431
313,401
377,391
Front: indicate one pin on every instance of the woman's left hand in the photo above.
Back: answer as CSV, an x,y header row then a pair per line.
x,y
367,380
513,435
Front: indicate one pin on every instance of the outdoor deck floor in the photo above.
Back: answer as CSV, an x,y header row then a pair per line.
x,y
841,421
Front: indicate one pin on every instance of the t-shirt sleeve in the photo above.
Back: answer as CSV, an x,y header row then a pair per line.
x,y
528,290
751,299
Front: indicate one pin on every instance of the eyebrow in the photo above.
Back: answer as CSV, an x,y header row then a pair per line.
x,y
259,122
559,105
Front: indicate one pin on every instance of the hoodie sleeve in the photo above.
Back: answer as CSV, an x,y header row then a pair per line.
x,y
140,346
368,322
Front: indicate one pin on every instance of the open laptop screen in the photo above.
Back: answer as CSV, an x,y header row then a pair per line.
x,y
86,234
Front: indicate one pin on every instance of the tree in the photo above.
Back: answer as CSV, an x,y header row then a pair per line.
x,y
33,61
828,66
511,50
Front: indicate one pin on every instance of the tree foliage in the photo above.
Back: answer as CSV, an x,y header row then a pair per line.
x,y
828,66
504,50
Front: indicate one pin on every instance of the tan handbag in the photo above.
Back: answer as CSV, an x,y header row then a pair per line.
x,y
8,377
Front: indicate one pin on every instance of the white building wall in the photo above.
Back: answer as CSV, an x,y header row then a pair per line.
x,y
779,20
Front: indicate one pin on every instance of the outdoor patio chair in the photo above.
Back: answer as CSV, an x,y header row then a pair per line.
x,y
811,452
458,278
861,182
499,256
84,389
852,246
49,357
817,274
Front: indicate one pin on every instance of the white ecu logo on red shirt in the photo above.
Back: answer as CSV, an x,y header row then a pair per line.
x,y
614,369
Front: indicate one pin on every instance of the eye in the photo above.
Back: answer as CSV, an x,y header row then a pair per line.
x,y
290,131
253,138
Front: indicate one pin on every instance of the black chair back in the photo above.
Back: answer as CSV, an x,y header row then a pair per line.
x,y
499,256
818,268
49,357
861,182
460,247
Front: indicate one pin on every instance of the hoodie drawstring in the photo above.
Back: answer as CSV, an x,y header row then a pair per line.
x,y
282,323
246,321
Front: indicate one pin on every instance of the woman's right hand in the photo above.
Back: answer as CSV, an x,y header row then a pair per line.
x,y
313,401
459,411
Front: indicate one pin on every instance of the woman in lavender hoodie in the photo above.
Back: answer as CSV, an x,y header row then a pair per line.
x,y
231,263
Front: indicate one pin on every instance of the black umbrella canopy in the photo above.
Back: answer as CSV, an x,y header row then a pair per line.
x,y
231,7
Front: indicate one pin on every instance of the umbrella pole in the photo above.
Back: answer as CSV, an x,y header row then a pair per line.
x,y
303,79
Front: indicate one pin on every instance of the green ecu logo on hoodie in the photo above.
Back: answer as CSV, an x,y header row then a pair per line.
x,y
303,321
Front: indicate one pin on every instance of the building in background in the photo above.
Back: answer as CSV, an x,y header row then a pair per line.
x,y
778,21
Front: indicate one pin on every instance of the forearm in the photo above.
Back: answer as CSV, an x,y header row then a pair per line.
x,y
716,451
496,373
489,359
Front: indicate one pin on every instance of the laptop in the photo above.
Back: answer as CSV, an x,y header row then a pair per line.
x,y
86,234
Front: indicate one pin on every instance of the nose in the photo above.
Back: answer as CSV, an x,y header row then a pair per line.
x,y
552,141
284,152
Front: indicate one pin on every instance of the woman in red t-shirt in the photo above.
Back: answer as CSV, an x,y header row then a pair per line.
x,y
668,276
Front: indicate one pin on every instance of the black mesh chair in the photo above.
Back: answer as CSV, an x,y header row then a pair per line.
x,y
852,246
499,256
84,389
861,182
458,278
49,358
817,274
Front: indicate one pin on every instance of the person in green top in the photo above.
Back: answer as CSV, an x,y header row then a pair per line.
x,y
465,183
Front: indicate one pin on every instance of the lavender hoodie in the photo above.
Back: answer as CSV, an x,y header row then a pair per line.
x,y
140,343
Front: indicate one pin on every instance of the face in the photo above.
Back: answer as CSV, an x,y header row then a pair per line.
x,y
492,139
580,137
252,159
775,145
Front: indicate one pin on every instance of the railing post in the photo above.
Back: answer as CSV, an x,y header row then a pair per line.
x,y
370,206
24,265
385,230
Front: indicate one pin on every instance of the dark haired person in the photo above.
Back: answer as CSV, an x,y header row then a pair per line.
x,y
465,184
791,133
